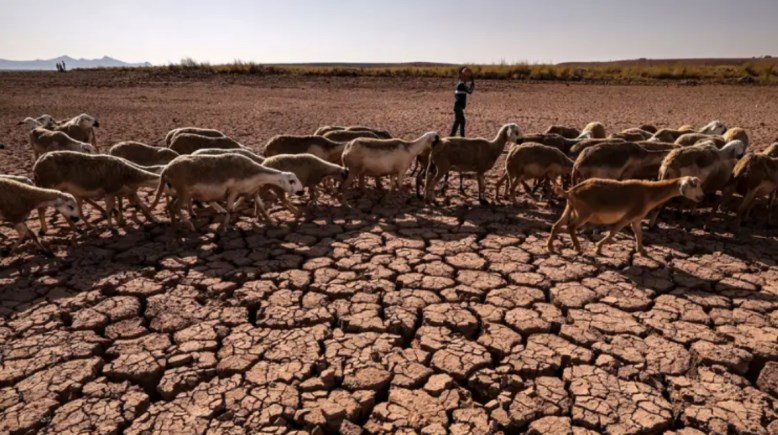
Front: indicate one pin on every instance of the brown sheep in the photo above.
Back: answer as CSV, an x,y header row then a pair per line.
x,y
532,161
618,204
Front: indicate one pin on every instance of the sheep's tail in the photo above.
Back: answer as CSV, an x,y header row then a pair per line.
x,y
158,192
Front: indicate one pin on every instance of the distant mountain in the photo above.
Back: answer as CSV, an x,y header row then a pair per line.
x,y
70,63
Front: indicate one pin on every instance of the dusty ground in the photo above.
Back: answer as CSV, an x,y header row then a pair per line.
x,y
395,317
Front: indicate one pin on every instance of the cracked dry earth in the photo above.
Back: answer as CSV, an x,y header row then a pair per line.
x,y
386,318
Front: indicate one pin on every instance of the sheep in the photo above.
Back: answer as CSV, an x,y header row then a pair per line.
x,y
578,148
632,135
347,136
566,132
753,176
711,165
714,127
321,131
552,140
532,160
92,177
772,150
736,133
191,130
309,169
81,127
380,157
44,141
17,178
616,161
319,146
18,199
618,204
655,146
212,178
651,128
593,130
187,143
46,121
669,135
689,139
142,154
467,155
382,134
217,151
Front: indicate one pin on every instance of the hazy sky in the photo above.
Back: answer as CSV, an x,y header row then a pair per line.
x,y
484,31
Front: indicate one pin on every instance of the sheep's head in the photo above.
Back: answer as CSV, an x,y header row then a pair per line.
x,y
88,148
691,187
291,184
736,133
45,121
735,149
66,204
715,127
87,121
431,138
512,132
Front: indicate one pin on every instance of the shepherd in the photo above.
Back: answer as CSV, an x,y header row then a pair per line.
x,y
465,86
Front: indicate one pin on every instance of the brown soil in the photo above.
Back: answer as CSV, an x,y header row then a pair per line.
x,y
392,317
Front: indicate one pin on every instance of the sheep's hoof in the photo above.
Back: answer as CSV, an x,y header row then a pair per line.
x,y
483,202
114,231
48,254
41,233
643,252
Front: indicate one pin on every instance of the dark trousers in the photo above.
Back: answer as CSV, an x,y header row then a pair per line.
x,y
459,121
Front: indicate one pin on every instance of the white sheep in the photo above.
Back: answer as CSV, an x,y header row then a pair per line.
x,y
44,141
17,200
212,178
382,157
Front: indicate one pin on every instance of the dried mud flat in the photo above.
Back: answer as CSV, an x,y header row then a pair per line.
x,y
388,317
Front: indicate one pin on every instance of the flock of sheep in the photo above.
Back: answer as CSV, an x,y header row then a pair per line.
x,y
617,179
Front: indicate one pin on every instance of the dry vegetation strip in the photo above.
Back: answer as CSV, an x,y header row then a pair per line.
x,y
762,70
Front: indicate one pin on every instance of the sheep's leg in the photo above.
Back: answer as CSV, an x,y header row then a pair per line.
x,y
80,209
418,182
745,207
260,206
481,189
615,229
346,183
770,204
135,199
110,204
231,197
655,214
444,186
563,220
432,181
499,184
23,232
97,206
637,229
42,218
530,192
515,187
726,196
184,199
461,184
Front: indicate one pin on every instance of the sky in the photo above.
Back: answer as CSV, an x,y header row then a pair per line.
x,y
456,31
